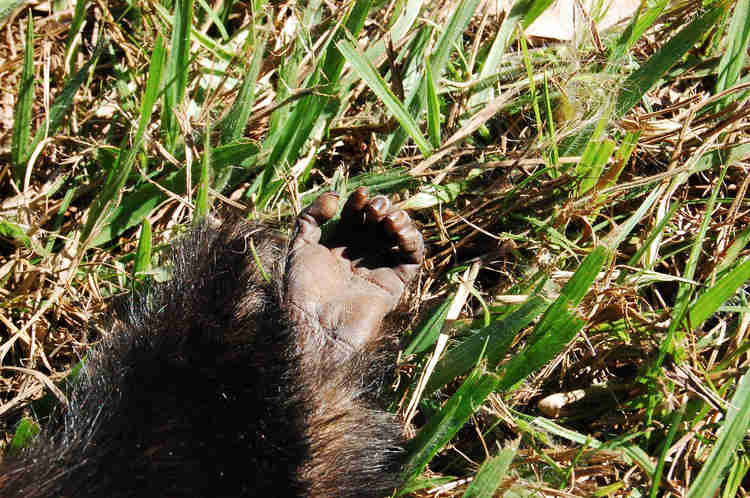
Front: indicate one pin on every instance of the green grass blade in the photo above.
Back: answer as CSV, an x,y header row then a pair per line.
x,y
377,84
177,69
532,86
21,141
658,229
13,231
121,169
448,421
561,327
710,301
666,445
79,16
214,19
733,59
557,327
641,81
143,253
620,232
138,204
638,25
428,332
240,152
201,201
731,435
524,12
685,290
633,452
433,106
554,154
310,110
494,340
7,7
406,19
736,475
582,279
26,431
235,122
733,251
490,475
451,37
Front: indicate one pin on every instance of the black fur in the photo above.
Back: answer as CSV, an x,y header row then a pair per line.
x,y
203,389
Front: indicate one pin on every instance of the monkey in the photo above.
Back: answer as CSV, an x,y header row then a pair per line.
x,y
250,372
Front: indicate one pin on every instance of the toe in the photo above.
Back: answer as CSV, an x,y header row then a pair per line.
x,y
378,208
355,204
308,224
324,208
410,243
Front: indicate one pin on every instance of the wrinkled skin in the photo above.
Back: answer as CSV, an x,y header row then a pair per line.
x,y
345,285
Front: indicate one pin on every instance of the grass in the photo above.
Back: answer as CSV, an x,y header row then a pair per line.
x,y
584,308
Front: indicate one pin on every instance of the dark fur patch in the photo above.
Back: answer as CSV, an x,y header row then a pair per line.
x,y
203,389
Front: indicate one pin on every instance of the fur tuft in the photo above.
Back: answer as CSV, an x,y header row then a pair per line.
x,y
203,389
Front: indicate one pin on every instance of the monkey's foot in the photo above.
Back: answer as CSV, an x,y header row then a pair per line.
x,y
345,285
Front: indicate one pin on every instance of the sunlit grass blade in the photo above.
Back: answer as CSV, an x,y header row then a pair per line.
x,y
561,327
234,153
733,251
26,431
79,16
370,75
214,19
177,69
448,421
710,301
433,106
618,234
405,21
121,169
557,327
592,164
733,58
658,229
13,231
201,201
622,156
736,476
142,263
64,100
666,445
295,132
235,122
7,7
21,141
428,332
490,475
644,18
138,204
641,81
452,35
532,86
685,291
633,452
523,11
731,435
493,340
